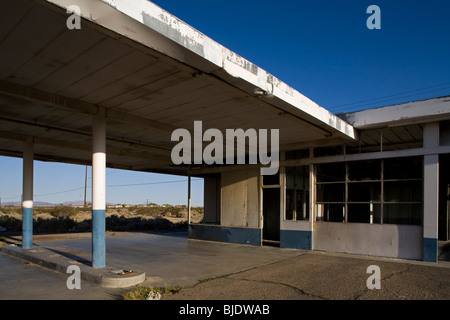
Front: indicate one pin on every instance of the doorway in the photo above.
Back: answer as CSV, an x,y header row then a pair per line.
x,y
271,216
444,198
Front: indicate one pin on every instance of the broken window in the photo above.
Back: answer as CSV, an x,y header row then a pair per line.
x,y
332,212
375,191
330,172
297,193
328,151
297,154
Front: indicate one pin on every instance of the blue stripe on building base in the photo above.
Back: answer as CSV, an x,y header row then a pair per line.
x,y
430,249
295,239
250,236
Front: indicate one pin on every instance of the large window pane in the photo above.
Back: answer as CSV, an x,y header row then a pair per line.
x,y
290,204
331,172
403,168
302,205
402,213
331,192
364,170
364,213
327,151
330,212
297,193
403,191
364,191
297,154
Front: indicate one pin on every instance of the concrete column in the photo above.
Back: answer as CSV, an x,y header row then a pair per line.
x,y
431,193
431,208
189,199
99,190
27,195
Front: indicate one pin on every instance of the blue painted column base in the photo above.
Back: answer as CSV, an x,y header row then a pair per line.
x,y
27,228
251,236
98,239
430,249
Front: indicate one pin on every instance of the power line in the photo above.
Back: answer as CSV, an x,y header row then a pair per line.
x,y
396,96
109,186
148,183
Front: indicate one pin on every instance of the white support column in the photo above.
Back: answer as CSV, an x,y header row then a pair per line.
x,y
431,194
27,195
99,190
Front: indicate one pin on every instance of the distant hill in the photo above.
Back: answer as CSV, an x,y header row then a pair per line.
x,y
35,204
47,204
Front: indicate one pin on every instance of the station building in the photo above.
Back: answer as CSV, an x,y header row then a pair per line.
x,y
385,194
111,93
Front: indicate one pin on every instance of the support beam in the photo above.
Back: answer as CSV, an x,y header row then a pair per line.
x,y
27,195
99,190
55,100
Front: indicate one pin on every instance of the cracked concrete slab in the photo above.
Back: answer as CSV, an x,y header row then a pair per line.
x,y
315,275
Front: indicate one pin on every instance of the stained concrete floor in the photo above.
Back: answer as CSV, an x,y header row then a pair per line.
x,y
227,271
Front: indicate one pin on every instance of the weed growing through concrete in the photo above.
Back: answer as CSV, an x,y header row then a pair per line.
x,y
141,293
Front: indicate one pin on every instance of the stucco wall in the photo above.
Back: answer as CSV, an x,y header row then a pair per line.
x,y
239,206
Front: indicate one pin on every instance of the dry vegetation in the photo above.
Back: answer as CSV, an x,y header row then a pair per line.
x,y
63,219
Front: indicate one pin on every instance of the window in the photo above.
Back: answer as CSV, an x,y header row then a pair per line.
x,y
297,154
330,192
297,193
375,191
403,191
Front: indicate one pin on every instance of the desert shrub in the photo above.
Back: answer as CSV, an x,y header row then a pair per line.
x,y
11,210
147,211
54,225
84,226
10,223
198,209
63,211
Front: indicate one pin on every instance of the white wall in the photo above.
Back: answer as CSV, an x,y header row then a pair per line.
x,y
387,240
239,206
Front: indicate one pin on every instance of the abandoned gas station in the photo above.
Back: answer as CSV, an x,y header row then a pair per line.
x,y
110,94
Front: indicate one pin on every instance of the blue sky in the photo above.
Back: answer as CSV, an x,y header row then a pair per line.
x,y
322,48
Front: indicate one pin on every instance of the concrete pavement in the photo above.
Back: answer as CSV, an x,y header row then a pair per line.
x,y
327,276
215,271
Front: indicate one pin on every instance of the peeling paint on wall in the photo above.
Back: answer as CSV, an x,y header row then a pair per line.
x,y
172,28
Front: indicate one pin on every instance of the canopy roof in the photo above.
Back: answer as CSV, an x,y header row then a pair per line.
x,y
150,71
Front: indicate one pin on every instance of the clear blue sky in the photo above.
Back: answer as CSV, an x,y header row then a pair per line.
x,y
322,48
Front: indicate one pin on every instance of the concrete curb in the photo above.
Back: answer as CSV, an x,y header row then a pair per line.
x,y
105,277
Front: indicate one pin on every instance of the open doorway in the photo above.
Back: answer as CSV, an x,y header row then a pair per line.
x,y
444,198
271,214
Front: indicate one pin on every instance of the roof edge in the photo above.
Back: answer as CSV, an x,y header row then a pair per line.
x,y
193,48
